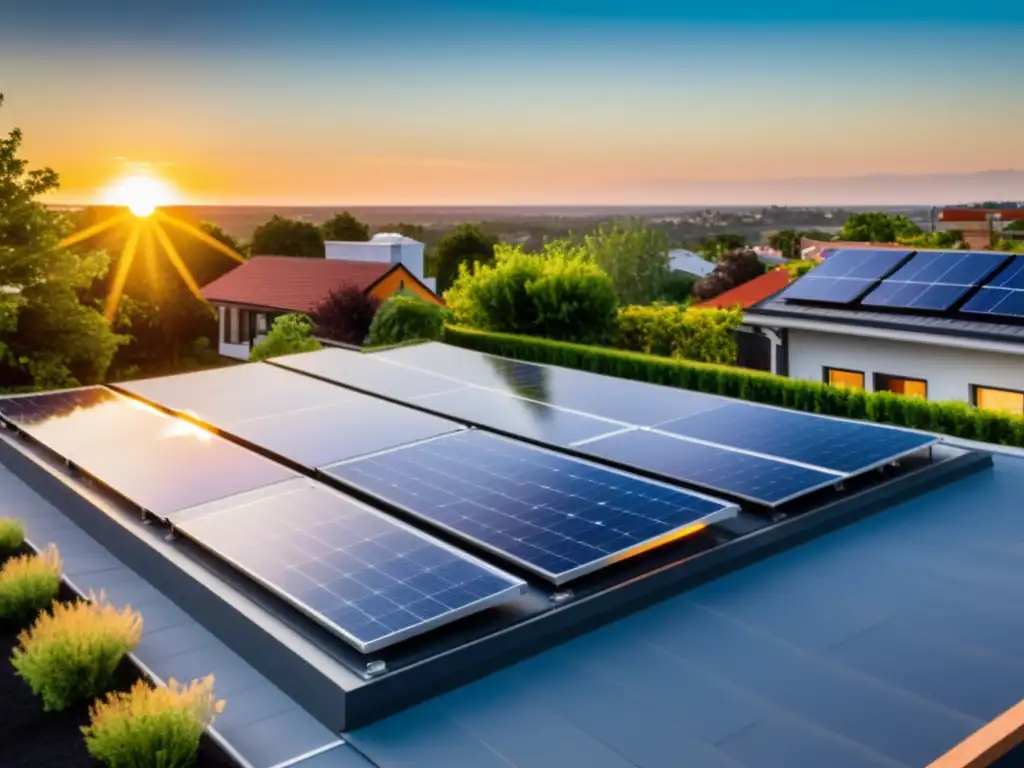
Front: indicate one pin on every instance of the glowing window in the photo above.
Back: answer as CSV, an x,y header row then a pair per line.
x,y
999,399
842,378
900,385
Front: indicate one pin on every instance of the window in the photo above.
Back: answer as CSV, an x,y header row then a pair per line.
x,y
842,378
901,385
997,399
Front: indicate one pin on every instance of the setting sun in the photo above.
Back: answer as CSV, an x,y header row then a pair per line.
x,y
141,194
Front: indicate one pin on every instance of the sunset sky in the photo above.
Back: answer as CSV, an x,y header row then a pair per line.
x,y
454,102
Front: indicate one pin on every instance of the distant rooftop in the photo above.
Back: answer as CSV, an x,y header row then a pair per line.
x,y
751,292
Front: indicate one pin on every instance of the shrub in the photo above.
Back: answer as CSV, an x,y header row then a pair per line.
x,y
704,335
733,269
798,269
557,293
289,335
405,317
29,584
678,287
71,651
951,418
345,315
12,534
150,726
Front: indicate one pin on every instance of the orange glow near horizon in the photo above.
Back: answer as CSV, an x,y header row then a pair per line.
x,y
141,192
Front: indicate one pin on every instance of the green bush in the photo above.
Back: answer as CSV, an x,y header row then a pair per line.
x,y
405,317
71,651
29,584
12,534
558,293
951,418
289,335
150,726
704,335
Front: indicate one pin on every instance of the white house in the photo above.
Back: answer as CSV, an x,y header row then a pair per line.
x,y
947,355
681,260
387,248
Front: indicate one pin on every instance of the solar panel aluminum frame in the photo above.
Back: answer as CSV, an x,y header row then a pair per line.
x,y
840,477
518,586
728,511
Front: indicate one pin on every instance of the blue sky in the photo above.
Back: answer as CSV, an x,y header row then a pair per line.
x,y
502,102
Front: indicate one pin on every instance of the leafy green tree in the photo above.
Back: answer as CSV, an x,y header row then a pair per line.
x,y
875,227
468,244
559,293
48,337
1015,226
221,236
634,255
787,241
406,317
289,335
287,237
346,228
678,287
717,246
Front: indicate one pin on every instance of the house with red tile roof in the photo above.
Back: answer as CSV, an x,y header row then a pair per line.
x,y
250,297
751,292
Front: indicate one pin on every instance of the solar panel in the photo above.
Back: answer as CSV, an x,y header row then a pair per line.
x,y
1004,294
845,275
368,372
754,478
161,463
370,579
842,446
554,515
934,281
299,418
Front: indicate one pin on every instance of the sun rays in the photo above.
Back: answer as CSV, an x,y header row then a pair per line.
x,y
143,195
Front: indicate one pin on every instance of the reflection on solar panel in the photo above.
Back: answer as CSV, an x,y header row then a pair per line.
x,y
1004,295
300,418
843,446
158,462
846,275
755,478
366,577
934,281
555,515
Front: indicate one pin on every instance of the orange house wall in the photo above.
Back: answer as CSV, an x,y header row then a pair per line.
x,y
391,284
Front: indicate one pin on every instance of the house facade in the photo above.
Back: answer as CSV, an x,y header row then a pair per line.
x,y
250,297
938,355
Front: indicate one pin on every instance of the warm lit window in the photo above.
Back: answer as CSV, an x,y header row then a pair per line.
x,y
901,386
840,378
999,399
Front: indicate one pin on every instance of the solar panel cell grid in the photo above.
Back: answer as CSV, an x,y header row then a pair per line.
x,y
369,579
552,514
934,281
1004,295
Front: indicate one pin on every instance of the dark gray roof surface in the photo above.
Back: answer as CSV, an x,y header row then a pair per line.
x,y
881,644
946,326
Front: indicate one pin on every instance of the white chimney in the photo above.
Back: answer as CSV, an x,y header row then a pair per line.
x,y
386,247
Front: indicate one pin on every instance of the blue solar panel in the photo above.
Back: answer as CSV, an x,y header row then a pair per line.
x,y
557,516
934,281
761,480
1004,294
845,275
160,463
843,446
370,579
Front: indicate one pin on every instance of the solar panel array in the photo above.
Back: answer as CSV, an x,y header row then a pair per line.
x,y
845,276
1003,296
367,577
555,515
934,281
762,461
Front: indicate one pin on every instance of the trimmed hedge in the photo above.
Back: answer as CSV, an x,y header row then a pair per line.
x,y
951,418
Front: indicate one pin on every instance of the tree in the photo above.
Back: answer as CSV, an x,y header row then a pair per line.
x,y
345,227
48,337
559,293
406,317
1015,226
221,236
953,239
287,237
468,244
716,246
289,335
634,255
346,314
787,241
878,228
678,287
734,268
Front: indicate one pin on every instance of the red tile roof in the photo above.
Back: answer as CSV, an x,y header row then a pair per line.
x,y
293,284
751,292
